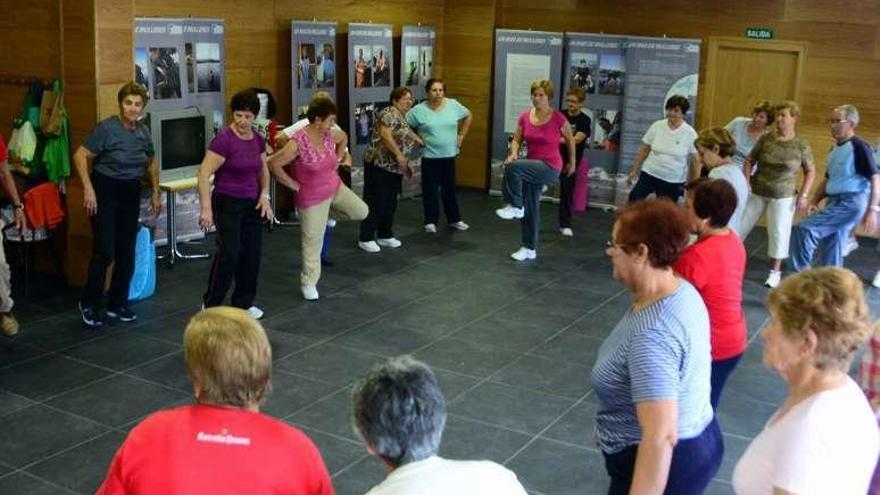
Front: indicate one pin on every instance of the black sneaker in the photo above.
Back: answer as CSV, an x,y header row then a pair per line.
x,y
122,314
90,316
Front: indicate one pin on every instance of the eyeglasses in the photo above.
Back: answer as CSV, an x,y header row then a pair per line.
x,y
613,245
836,121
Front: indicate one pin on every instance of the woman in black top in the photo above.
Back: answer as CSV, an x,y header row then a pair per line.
x,y
580,126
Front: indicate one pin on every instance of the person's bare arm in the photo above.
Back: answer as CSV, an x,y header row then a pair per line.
x,y
155,197
278,160
464,126
12,192
870,221
803,203
210,164
640,157
513,150
340,138
695,167
569,144
82,159
264,202
659,423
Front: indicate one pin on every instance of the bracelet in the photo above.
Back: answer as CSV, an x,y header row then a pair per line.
x,y
875,208
19,206
268,198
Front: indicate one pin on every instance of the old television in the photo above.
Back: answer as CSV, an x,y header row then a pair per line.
x,y
180,138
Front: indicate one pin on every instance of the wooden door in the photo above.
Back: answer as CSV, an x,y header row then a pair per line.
x,y
740,72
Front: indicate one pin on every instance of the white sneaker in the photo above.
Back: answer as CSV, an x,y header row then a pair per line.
x,y
459,225
523,254
331,222
369,246
430,228
510,213
773,279
566,232
391,242
310,292
255,312
850,245
876,282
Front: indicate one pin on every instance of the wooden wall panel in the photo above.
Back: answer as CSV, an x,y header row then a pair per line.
x,y
31,48
468,43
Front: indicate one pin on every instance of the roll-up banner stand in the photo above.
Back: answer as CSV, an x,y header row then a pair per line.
x,y
595,62
521,57
313,62
370,81
417,59
656,69
181,62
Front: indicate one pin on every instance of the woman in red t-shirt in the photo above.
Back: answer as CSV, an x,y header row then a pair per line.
x,y
540,127
715,265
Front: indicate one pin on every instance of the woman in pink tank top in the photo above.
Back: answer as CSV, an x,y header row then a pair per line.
x,y
524,179
313,153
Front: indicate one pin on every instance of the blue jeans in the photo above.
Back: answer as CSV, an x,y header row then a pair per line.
x,y
694,463
523,181
829,226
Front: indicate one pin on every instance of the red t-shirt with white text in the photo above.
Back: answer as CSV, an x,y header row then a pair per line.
x,y
205,449
716,266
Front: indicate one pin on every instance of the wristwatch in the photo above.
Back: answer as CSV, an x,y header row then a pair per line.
x,y
19,206
875,208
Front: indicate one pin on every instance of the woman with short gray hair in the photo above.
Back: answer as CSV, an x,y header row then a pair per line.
x,y
400,413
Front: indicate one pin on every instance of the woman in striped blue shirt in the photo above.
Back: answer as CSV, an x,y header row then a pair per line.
x,y
654,423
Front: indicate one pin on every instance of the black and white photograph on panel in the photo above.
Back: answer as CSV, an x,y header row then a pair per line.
x,y
611,74
381,67
190,67
208,67
363,119
363,69
326,67
411,69
219,121
305,65
141,67
426,65
165,64
584,69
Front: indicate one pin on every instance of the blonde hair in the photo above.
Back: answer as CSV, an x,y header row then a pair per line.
x,y
544,84
717,136
793,109
830,301
228,356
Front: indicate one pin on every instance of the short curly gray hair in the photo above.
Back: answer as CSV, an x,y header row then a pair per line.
x,y
399,410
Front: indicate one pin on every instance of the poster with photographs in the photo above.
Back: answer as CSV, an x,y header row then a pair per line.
x,y
657,68
313,62
595,64
180,62
208,67
370,81
520,58
417,58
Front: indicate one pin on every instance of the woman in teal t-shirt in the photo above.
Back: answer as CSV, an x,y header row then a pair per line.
x,y
442,123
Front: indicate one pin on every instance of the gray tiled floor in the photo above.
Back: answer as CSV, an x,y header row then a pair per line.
x,y
512,344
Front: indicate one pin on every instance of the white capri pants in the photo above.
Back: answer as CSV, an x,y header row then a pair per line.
x,y
780,215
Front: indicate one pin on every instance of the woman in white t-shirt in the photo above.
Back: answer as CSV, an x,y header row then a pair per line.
x,y
665,160
747,131
823,439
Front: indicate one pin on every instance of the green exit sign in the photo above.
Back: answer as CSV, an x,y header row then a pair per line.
x,y
759,33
